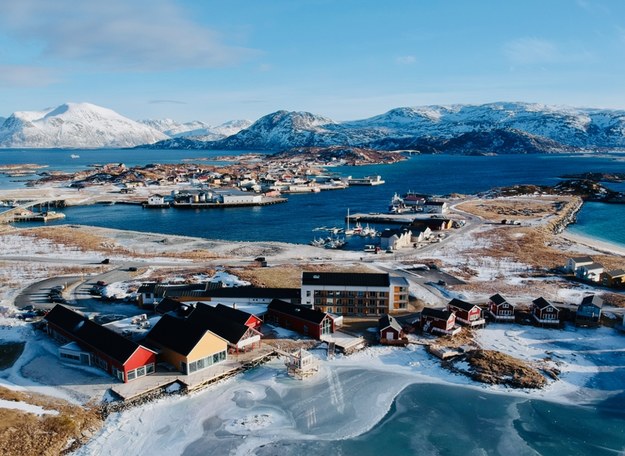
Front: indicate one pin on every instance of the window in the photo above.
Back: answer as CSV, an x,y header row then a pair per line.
x,y
308,293
140,371
131,375
149,368
72,357
201,363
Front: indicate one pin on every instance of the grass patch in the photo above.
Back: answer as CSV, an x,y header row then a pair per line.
x,y
9,353
23,433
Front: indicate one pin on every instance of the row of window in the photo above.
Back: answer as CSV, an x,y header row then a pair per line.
x,y
352,302
203,363
140,371
351,294
70,356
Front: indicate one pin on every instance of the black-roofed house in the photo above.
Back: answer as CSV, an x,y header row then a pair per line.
x,y
350,293
152,293
89,343
613,279
187,345
241,317
167,305
438,321
301,319
500,308
251,295
589,311
544,312
218,320
390,331
467,314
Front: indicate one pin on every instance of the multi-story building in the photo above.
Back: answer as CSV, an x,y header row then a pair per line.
x,y
349,293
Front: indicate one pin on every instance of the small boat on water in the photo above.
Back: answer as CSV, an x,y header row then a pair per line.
x,y
318,242
367,180
75,156
368,231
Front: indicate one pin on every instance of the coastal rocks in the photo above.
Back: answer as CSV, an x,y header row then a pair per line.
x,y
495,368
341,154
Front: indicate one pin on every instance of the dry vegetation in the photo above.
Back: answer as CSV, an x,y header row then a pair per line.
x,y
496,210
23,433
493,367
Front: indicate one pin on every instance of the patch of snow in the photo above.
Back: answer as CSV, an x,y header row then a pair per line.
x,y
26,407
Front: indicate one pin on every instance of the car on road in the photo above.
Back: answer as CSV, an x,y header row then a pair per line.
x,y
132,269
105,261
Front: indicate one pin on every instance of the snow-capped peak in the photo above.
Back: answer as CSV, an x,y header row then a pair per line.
x,y
75,125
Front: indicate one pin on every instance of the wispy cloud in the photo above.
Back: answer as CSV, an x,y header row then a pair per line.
x,y
537,51
167,102
26,76
528,51
406,60
142,34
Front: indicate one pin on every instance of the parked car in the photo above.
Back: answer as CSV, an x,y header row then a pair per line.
x,y
58,300
105,261
132,269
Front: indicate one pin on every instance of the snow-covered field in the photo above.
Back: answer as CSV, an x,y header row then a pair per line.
x,y
351,394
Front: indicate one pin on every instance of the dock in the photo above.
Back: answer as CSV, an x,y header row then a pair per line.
x,y
162,380
374,217
265,202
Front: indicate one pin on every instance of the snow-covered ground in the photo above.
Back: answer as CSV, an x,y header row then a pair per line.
x,y
351,394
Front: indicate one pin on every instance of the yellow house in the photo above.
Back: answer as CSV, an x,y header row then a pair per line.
x,y
187,346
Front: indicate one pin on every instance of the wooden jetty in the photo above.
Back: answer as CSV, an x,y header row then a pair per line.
x,y
160,381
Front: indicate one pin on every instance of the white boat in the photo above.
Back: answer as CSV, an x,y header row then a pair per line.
x,y
75,156
368,231
367,180
318,242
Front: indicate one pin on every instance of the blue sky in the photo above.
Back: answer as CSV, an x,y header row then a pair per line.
x,y
345,59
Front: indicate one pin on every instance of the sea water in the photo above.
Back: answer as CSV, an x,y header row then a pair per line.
x,y
430,419
294,221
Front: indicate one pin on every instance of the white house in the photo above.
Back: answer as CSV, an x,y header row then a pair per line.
x,y
156,200
435,207
590,272
395,239
572,264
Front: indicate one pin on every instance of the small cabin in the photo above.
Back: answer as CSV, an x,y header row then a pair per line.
x,y
589,311
440,321
389,330
500,309
544,312
591,272
467,314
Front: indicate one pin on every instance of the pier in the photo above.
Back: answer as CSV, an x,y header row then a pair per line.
x,y
161,381
22,212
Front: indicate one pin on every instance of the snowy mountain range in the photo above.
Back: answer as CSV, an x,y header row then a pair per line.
x,y
85,125
74,125
488,128
198,130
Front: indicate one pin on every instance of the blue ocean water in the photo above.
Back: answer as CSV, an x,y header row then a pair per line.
x,y
295,220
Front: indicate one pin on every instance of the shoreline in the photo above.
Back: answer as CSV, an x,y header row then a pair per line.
x,y
600,245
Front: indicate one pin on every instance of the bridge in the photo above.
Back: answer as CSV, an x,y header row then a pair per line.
x,y
22,210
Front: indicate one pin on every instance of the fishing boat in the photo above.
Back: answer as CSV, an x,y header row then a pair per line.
x,y
318,242
368,231
336,243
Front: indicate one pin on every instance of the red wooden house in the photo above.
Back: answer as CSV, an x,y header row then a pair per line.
x,y
303,320
467,314
500,309
441,321
544,312
390,331
96,345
